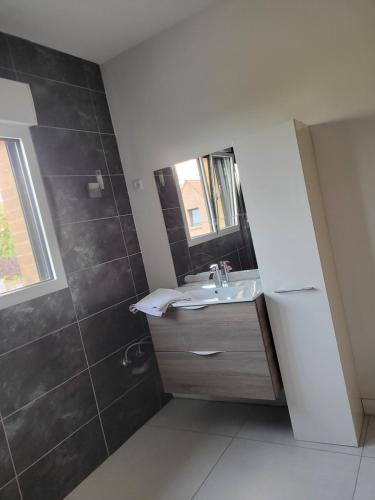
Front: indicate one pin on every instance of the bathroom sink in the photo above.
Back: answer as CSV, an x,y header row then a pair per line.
x,y
204,294
234,276
249,274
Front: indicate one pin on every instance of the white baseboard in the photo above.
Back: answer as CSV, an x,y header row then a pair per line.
x,y
369,406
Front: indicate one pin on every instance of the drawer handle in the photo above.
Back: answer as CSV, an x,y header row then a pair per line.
x,y
206,353
290,290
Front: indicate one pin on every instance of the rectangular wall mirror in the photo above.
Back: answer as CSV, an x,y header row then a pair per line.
x,y
204,214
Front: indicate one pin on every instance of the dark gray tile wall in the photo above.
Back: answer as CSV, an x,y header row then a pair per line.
x,y
10,491
236,247
66,401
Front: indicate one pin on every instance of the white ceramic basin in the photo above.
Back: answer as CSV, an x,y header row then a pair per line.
x,y
233,276
204,294
249,274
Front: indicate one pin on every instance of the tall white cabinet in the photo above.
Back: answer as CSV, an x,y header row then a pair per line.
x,y
285,211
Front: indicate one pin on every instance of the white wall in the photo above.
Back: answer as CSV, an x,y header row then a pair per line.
x,y
225,73
345,153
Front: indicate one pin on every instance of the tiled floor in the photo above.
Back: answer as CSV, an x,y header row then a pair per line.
x,y
218,451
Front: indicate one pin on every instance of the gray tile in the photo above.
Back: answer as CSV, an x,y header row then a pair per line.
x,y
41,425
42,61
102,113
85,244
107,331
211,417
9,74
6,468
32,319
139,274
181,278
181,257
61,105
112,154
229,242
130,234
70,201
101,286
233,259
167,189
112,379
157,464
94,76
49,362
68,152
365,488
10,492
129,413
174,224
272,424
224,247
246,258
163,172
5,60
205,253
263,471
121,194
173,218
56,474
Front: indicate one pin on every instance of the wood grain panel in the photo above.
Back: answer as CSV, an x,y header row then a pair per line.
x,y
268,343
229,374
225,327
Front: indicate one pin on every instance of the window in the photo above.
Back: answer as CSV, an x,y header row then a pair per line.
x,y
30,262
225,191
194,217
207,190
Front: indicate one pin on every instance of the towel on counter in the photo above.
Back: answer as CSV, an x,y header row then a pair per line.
x,y
193,278
156,303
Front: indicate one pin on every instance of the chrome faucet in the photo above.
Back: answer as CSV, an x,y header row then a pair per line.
x,y
225,269
215,274
219,273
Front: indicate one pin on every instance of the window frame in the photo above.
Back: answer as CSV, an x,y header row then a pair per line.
x,y
191,216
234,227
210,203
39,198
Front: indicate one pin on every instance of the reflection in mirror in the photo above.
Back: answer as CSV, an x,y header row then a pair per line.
x,y
205,215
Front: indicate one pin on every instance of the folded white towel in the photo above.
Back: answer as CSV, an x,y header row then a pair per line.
x,y
193,278
157,302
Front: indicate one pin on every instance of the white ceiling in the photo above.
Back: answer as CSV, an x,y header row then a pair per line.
x,y
93,29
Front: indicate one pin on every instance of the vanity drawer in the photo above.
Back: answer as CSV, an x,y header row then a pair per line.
x,y
224,374
224,327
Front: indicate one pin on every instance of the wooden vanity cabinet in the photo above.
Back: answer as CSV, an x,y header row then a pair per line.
x,y
224,350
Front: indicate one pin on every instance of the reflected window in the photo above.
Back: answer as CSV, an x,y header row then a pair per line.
x,y
208,194
194,217
225,191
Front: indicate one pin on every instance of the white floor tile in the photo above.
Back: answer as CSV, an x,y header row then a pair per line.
x,y
365,489
251,470
154,464
369,448
272,424
202,416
